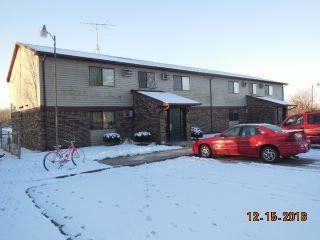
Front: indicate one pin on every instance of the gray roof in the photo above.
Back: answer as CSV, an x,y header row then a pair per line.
x,y
130,61
167,97
274,100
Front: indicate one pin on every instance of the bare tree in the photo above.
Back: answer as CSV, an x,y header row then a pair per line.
x,y
5,115
303,100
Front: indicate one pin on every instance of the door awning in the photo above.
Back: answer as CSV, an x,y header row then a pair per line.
x,y
170,98
275,101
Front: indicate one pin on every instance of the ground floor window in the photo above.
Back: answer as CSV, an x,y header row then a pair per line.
x,y
233,115
102,120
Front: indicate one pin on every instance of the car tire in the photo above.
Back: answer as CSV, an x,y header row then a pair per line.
x,y
205,151
269,154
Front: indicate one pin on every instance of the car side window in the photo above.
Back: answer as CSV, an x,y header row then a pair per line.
x,y
249,131
232,132
299,120
314,118
294,120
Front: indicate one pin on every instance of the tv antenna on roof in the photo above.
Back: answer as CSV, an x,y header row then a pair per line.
x,y
97,27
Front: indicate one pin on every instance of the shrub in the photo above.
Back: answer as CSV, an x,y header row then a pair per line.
x,y
196,132
142,136
112,138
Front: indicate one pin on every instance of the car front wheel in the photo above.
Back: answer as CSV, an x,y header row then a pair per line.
x,y
269,154
205,151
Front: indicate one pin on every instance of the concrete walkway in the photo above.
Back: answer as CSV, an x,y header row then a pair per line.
x,y
146,158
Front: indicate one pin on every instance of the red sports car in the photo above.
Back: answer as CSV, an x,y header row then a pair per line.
x,y
255,140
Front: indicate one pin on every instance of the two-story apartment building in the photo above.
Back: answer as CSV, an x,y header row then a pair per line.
x,y
100,93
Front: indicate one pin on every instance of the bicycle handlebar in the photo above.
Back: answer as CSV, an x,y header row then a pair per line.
x,y
71,142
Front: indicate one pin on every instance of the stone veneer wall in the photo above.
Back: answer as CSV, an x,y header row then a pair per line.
x,y
200,117
37,127
71,125
29,125
149,116
260,111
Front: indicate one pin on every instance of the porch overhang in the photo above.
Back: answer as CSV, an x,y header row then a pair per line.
x,y
275,101
169,98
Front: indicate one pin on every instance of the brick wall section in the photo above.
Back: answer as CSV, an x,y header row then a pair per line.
x,y
72,125
149,116
200,117
260,111
30,126
124,124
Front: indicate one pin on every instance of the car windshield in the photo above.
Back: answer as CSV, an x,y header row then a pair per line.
x,y
273,128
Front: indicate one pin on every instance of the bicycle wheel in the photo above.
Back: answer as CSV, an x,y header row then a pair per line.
x,y
52,160
77,156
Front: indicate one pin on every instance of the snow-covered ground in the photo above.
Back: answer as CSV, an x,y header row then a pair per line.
x,y
19,218
185,198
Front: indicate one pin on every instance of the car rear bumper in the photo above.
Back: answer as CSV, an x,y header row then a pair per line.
x,y
295,148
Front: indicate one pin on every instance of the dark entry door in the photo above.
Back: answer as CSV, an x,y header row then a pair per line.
x,y
177,124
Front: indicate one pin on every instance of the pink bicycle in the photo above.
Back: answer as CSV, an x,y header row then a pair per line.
x,y
58,157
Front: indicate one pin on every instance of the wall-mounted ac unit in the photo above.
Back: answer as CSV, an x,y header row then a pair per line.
x,y
260,85
164,76
129,114
126,72
243,84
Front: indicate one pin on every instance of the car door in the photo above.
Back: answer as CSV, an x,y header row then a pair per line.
x,y
312,126
228,142
248,141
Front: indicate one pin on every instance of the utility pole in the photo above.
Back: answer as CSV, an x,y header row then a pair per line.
x,y
97,27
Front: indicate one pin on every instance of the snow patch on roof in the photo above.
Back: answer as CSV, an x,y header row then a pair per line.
x,y
274,100
170,98
102,57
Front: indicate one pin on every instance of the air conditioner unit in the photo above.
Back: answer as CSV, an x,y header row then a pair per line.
x,y
129,113
260,85
243,84
126,72
164,76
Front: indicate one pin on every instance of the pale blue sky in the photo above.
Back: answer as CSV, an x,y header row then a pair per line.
x,y
271,39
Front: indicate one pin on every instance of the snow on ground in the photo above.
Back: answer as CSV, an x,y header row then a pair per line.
x,y
19,218
30,166
313,154
185,198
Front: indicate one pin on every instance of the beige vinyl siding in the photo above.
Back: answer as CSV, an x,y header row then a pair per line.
x,y
24,80
74,89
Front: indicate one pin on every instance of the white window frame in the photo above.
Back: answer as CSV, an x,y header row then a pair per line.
x,y
104,77
185,83
269,90
235,87
254,88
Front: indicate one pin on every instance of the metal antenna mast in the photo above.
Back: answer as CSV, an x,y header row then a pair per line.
x,y
97,27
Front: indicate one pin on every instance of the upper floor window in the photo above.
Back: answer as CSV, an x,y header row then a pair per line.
x,y
146,80
269,90
181,83
102,120
101,76
253,88
233,87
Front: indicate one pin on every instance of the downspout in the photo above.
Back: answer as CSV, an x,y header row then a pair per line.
x,y
44,101
211,110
